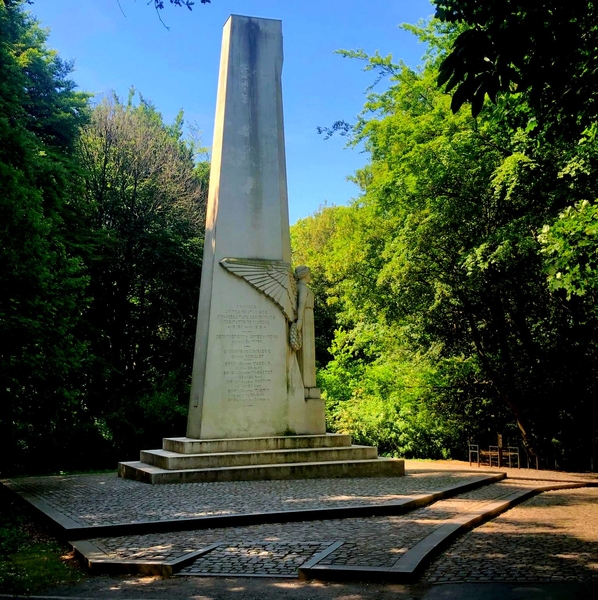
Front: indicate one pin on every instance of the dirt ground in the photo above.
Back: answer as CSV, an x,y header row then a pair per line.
x,y
199,588
242,588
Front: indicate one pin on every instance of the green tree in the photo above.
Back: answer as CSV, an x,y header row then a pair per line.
x,y
444,250
546,50
42,284
570,242
571,249
145,205
312,240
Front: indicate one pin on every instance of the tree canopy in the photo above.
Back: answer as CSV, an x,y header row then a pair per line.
x,y
42,280
463,278
455,296
546,50
101,218
145,212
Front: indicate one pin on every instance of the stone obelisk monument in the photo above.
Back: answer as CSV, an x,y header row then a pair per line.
x,y
246,376
255,411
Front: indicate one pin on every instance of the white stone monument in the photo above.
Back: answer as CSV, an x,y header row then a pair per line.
x,y
255,411
246,377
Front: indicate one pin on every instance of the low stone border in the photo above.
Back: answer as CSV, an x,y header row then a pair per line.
x,y
314,560
583,483
410,565
59,521
98,561
71,530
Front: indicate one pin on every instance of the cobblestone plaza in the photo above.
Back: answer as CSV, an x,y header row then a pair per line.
x,y
552,536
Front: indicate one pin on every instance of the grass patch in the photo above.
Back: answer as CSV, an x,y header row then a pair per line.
x,y
31,560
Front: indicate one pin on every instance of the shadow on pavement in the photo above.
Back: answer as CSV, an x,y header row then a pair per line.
x,y
528,544
223,588
133,588
511,591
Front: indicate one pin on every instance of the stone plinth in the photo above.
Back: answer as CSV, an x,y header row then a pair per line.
x,y
185,460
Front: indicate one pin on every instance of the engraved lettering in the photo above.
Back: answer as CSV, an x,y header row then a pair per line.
x,y
247,367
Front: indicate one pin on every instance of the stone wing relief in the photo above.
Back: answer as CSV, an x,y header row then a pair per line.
x,y
273,278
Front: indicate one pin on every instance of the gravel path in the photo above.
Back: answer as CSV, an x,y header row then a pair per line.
x,y
551,537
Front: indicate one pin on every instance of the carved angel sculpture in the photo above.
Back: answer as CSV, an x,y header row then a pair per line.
x,y
305,331
290,292
273,278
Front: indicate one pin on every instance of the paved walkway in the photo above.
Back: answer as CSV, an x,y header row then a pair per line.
x,y
552,537
440,466
96,500
374,541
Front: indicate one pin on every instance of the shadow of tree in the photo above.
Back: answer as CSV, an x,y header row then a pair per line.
x,y
241,588
551,537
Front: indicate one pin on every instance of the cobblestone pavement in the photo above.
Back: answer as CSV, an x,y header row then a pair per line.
x,y
108,500
269,559
551,537
373,541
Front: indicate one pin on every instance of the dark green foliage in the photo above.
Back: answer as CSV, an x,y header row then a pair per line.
x,y
42,283
101,222
545,49
145,206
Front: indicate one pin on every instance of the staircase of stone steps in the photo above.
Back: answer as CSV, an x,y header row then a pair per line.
x,y
186,460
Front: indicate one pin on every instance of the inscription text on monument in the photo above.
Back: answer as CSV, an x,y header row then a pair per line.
x,y
247,366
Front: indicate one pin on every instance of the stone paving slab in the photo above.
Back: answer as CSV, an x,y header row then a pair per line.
x,y
98,562
106,500
552,537
375,542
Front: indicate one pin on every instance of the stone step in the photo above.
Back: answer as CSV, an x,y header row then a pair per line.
x,y
184,445
175,461
379,467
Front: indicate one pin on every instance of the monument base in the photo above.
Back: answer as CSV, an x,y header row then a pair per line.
x,y
186,460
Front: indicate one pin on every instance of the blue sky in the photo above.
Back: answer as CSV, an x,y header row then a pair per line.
x,y
119,44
